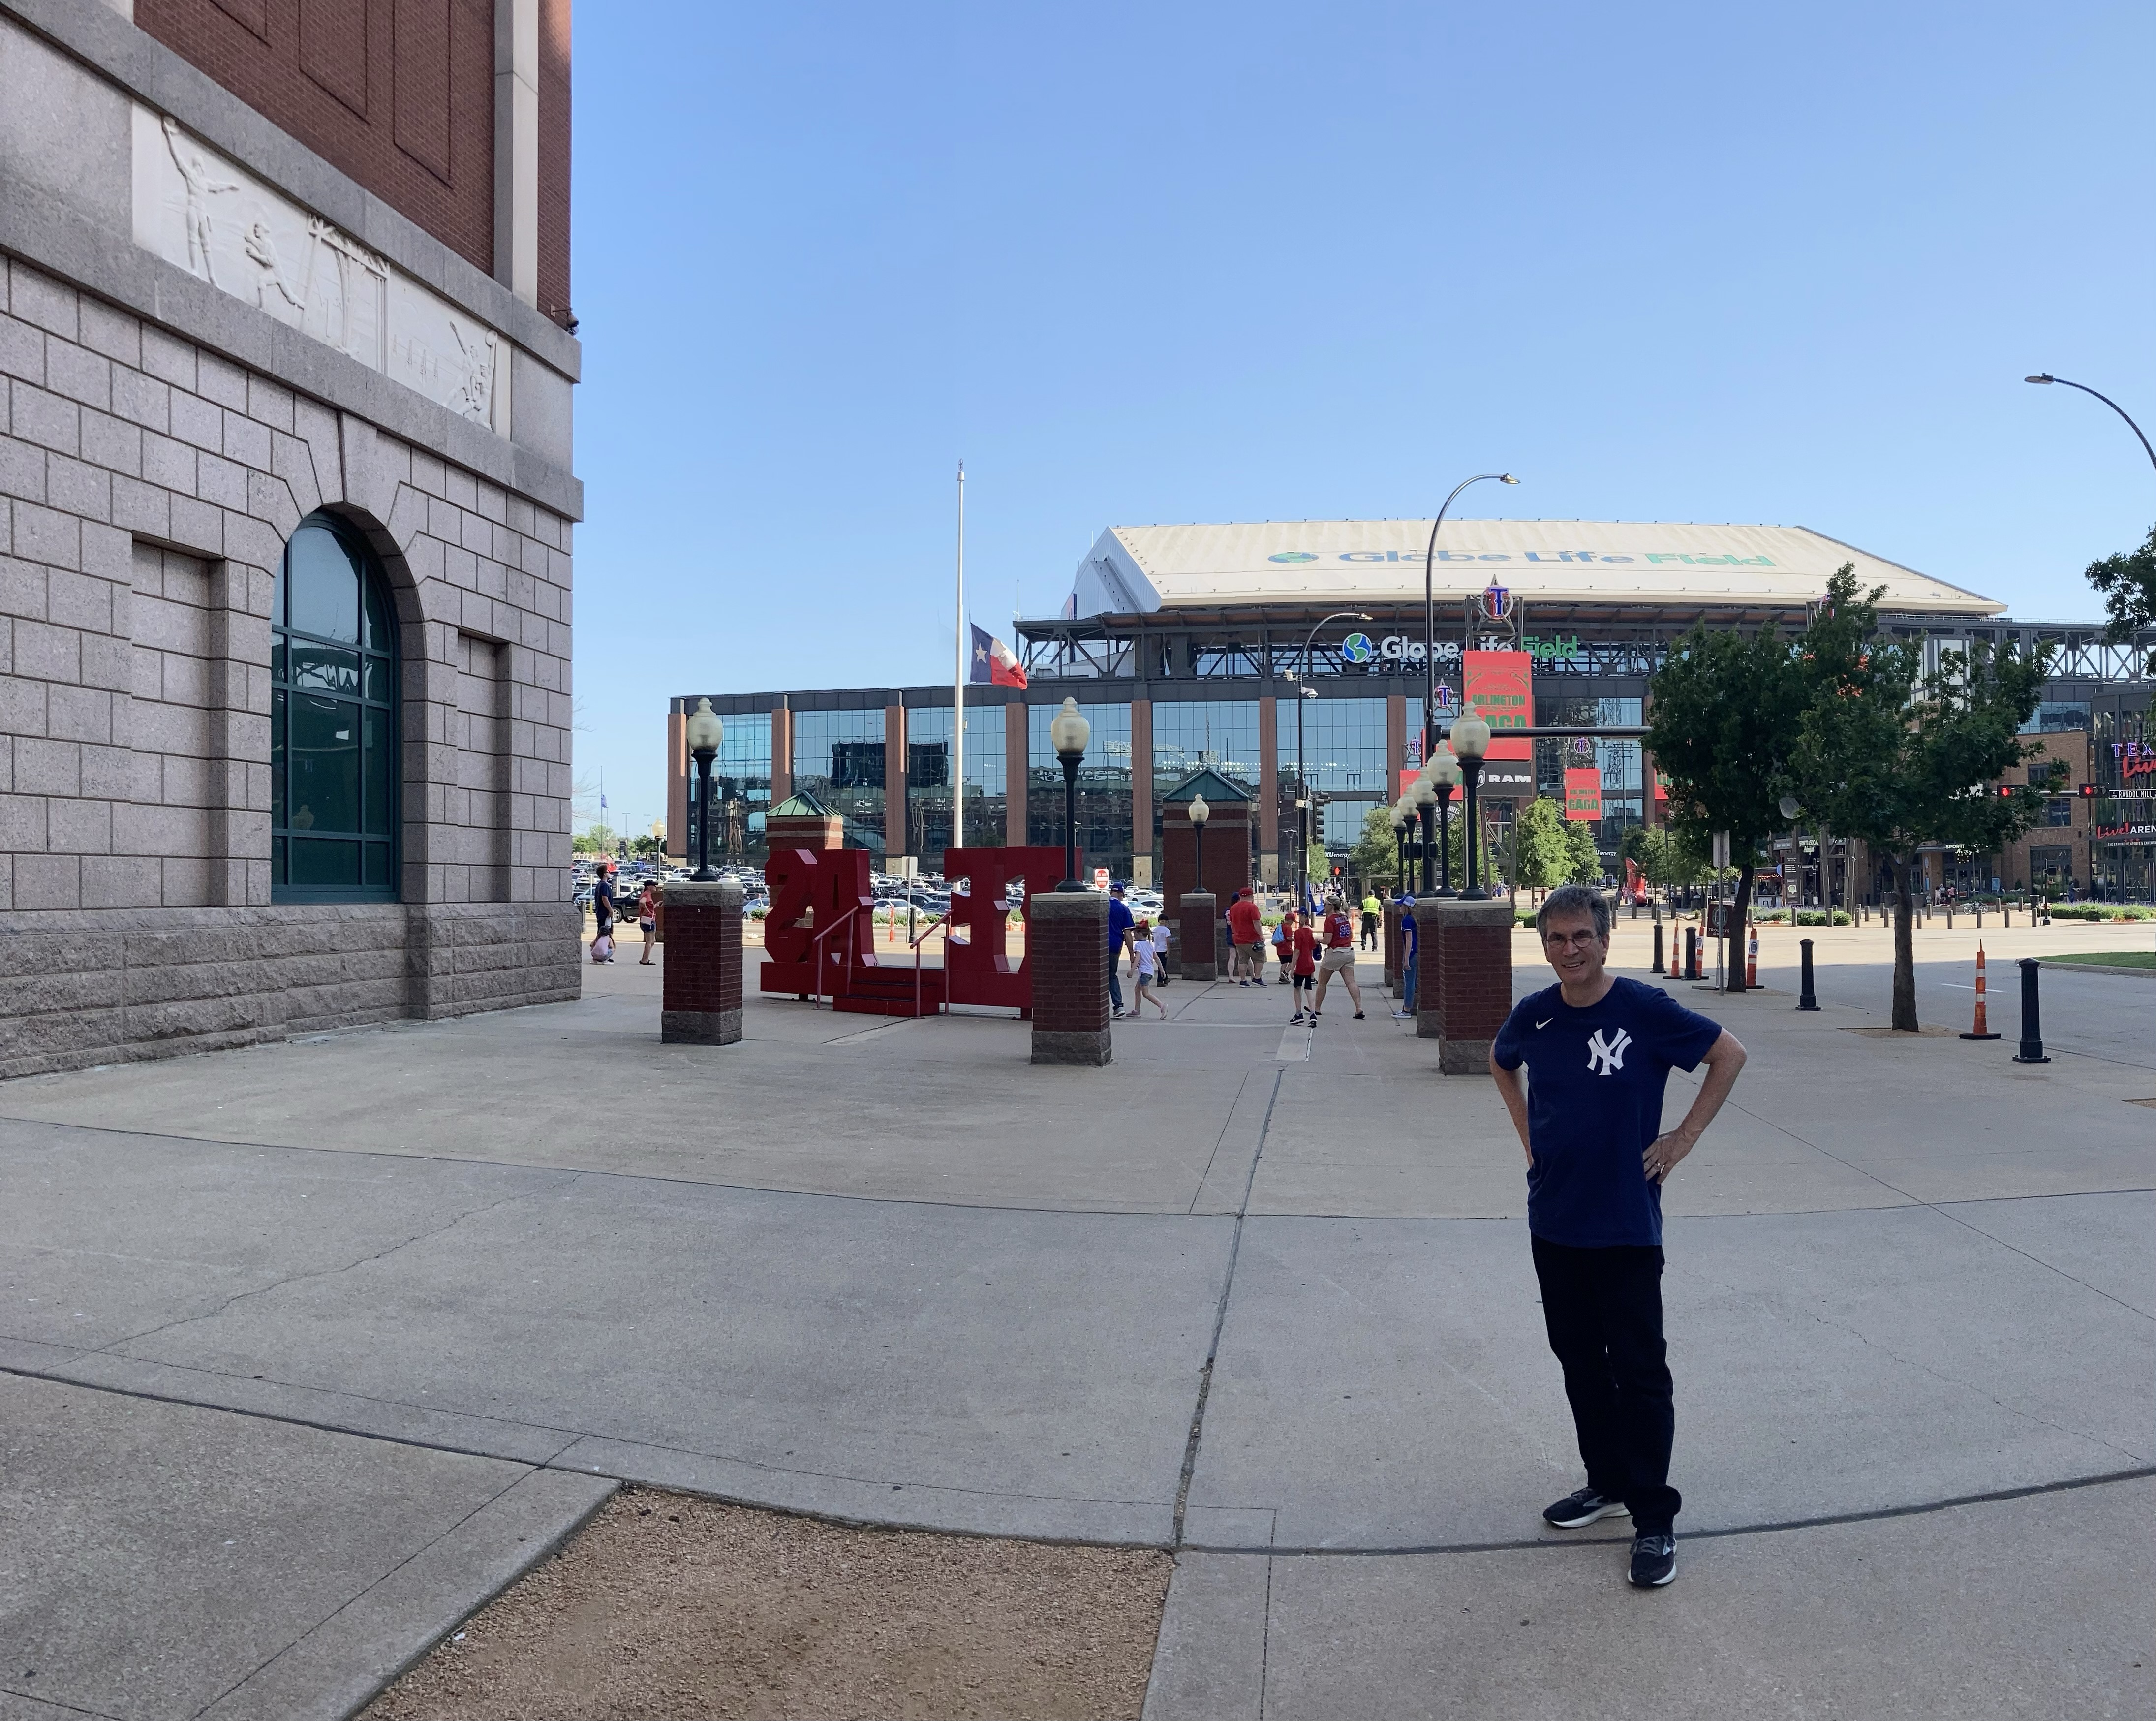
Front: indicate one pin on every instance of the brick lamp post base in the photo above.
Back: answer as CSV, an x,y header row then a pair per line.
x,y
1472,988
701,996
1066,942
1200,949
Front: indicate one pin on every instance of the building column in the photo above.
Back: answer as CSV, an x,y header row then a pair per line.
x,y
516,147
1142,792
1015,775
677,782
1269,788
782,751
1396,742
896,827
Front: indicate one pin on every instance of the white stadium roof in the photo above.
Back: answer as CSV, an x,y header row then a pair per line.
x,y
1139,569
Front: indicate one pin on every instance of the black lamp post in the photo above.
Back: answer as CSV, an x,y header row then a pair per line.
x,y
1400,846
1199,813
704,732
1067,733
1445,779
1470,740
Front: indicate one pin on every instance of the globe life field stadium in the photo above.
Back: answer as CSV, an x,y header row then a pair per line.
x,y
1184,646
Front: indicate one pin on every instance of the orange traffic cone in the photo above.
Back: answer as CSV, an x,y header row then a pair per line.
x,y
1752,958
1980,1031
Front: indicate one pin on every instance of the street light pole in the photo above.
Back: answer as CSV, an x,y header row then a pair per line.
x,y
2046,377
704,732
1470,740
1199,813
1067,733
1429,612
1304,691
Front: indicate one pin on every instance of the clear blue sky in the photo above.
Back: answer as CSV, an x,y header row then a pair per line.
x,y
1137,264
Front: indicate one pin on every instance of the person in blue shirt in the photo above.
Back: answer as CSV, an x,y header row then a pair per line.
x,y
1598,1051
1120,921
1410,958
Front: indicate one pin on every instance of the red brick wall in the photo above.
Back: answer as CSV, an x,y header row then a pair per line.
x,y
703,964
1198,926
1474,980
398,94
1068,955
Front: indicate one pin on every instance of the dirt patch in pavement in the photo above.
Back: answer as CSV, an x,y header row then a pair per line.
x,y
666,1605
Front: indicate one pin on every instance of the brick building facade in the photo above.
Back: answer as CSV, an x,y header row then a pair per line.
x,y
285,507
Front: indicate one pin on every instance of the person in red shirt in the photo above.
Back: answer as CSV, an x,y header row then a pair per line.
x,y
1246,932
1339,956
1304,943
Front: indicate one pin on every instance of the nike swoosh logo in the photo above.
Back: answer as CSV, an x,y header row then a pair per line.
x,y
1545,1021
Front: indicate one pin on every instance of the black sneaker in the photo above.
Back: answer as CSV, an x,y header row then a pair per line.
x,y
1583,1506
1653,1561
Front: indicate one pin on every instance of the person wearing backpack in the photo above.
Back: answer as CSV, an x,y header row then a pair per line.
x,y
1339,935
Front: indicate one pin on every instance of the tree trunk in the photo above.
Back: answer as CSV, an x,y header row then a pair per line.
x,y
1905,945
1739,911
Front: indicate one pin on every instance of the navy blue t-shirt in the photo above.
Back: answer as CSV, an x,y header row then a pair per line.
x,y
1121,920
1596,1078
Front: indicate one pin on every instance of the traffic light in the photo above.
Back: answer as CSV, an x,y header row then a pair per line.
x,y
2005,791
2090,791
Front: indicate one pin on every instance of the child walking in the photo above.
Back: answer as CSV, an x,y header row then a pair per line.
x,y
1145,957
1302,945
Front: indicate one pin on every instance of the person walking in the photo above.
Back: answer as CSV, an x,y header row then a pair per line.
x,y
1145,970
1119,923
1301,953
1410,960
1160,951
1283,948
1598,1051
603,914
1339,936
1372,909
647,918
1246,935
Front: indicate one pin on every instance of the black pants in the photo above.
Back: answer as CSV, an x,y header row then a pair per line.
x,y
1604,1311
1370,932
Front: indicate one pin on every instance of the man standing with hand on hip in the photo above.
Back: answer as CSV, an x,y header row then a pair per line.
x,y
1599,1051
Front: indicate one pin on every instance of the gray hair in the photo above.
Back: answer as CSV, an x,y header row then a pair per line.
x,y
1575,899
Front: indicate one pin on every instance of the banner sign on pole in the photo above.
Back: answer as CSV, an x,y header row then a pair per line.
x,y
1582,794
1500,685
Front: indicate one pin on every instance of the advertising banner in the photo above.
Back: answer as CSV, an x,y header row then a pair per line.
x,y
1500,685
1582,794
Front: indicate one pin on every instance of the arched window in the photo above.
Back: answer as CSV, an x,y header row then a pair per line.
x,y
333,751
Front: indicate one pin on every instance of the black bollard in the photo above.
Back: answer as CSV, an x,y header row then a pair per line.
x,y
1806,998
2032,1020
1658,947
1691,953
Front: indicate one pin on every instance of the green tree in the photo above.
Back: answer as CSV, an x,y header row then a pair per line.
x,y
1727,713
1899,758
1632,846
1669,860
2129,584
1584,860
1544,855
1375,856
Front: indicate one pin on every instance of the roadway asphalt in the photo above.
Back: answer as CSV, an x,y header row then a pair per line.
x,y
1258,1295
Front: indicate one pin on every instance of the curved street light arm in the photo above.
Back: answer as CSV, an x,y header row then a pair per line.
x,y
1302,788
2046,377
1429,608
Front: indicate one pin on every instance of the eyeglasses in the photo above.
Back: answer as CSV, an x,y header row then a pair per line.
x,y
1571,940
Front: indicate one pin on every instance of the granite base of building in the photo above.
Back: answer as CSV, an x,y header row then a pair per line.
x,y
116,986
1199,928
701,994
1067,953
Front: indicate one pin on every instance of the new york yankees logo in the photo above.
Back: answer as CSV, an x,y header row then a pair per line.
x,y
1605,1057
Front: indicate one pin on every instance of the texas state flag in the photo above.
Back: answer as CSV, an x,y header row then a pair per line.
x,y
995,662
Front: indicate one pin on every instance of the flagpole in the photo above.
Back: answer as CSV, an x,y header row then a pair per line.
x,y
958,687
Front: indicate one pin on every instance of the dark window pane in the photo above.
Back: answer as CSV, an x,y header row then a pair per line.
x,y
324,585
277,670
377,616
325,668
325,764
381,772
277,860
277,698
320,864
377,867
277,600
380,687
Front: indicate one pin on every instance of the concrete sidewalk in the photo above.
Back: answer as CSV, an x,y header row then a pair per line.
x,y
893,1272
